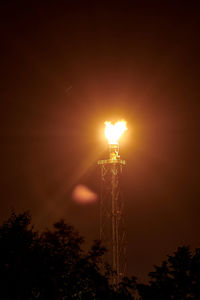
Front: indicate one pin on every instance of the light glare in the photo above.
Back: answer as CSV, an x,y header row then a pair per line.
x,y
82,194
114,132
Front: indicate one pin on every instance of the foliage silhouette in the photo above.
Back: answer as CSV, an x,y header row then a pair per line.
x,y
177,278
53,265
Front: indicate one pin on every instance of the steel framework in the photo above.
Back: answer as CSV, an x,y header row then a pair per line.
x,y
112,229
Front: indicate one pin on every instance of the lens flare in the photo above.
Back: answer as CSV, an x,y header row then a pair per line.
x,y
114,131
82,194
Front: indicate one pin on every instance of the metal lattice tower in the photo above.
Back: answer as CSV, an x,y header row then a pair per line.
x,y
112,229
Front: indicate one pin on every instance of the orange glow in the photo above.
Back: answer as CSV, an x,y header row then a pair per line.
x,y
82,194
114,132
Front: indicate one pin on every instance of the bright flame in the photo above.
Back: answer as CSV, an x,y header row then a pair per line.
x,y
113,132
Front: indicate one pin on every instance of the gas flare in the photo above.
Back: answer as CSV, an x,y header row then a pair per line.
x,y
114,131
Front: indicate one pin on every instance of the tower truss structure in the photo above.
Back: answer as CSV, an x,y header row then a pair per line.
x,y
112,227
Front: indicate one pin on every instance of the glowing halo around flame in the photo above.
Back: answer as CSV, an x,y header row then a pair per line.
x,y
114,131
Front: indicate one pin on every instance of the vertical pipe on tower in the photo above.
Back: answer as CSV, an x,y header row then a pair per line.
x,y
112,231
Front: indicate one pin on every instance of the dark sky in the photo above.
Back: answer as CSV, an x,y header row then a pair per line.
x,y
66,67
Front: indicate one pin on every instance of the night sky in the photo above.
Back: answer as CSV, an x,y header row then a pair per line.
x,y
68,66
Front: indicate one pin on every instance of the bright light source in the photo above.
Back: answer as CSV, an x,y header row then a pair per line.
x,y
113,132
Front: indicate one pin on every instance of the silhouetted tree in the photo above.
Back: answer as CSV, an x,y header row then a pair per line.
x,y
177,278
53,265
